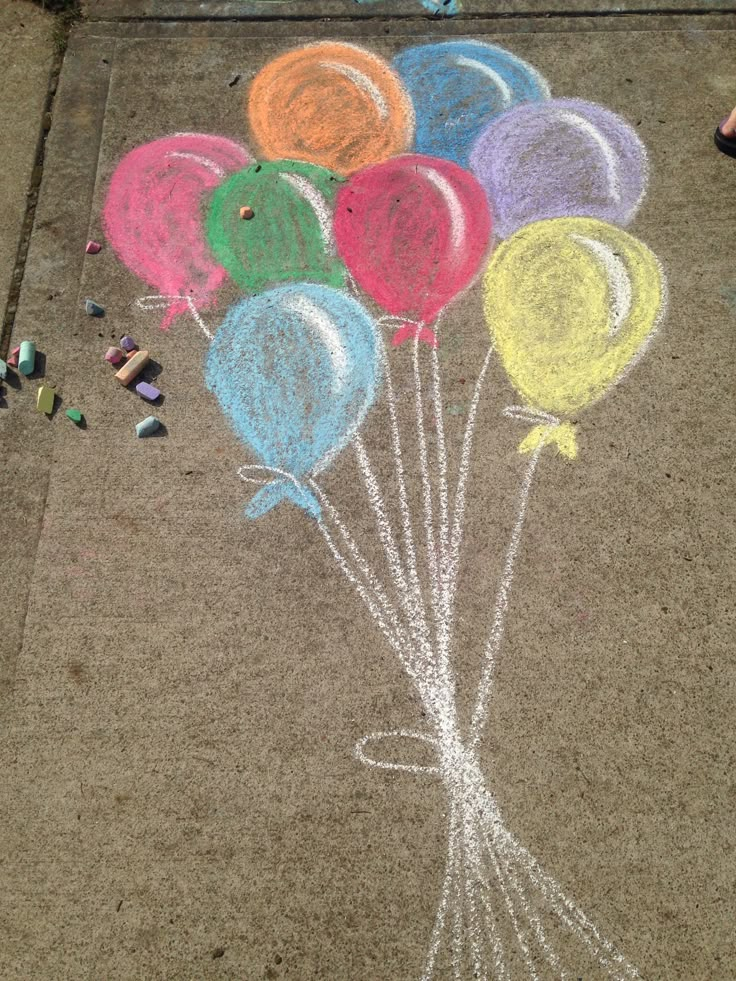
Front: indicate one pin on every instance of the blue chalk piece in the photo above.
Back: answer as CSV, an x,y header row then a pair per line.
x,y
148,392
458,87
27,357
94,309
147,427
3,369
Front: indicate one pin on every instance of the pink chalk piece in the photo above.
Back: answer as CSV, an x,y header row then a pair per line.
x,y
153,215
13,359
148,392
93,248
413,231
114,355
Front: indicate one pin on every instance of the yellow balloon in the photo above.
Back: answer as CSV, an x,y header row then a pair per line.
x,y
571,303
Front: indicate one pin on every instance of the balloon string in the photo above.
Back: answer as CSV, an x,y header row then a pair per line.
x,y
444,512
480,713
171,302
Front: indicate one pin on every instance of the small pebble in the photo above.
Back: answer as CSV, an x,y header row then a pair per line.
x,y
45,400
247,213
127,343
147,426
26,357
94,309
75,415
114,355
93,248
148,392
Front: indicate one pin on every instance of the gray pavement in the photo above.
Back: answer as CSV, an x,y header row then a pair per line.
x,y
182,689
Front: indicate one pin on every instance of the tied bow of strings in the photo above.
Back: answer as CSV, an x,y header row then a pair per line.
x,y
549,430
409,330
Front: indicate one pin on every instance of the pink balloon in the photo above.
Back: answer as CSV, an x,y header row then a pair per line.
x,y
413,232
153,214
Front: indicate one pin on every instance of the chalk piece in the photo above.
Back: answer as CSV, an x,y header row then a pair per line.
x,y
93,248
148,426
114,355
94,309
247,213
75,415
148,392
13,359
127,343
131,369
3,369
130,354
45,399
27,357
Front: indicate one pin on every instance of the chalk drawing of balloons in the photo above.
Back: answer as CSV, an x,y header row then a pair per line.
x,y
413,231
331,104
560,158
153,214
289,238
295,371
458,87
571,303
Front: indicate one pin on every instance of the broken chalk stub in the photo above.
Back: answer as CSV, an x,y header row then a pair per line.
x,y
127,343
147,427
13,359
3,369
26,357
75,415
148,392
94,309
45,399
93,248
132,368
114,355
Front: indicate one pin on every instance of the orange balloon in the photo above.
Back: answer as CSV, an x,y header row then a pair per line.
x,y
330,104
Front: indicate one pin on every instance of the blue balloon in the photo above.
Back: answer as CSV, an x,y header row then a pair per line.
x,y
458,87
295,370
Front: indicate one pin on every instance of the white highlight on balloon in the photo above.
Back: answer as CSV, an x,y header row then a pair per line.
x,y
501,84
364,83
328,330
318,202
454,205
619,281
585,126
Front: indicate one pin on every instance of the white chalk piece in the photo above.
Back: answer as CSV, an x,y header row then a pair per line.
x,y
147,426
27,357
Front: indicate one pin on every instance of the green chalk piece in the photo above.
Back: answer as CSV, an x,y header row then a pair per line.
x,y
3,369
27,357
75,415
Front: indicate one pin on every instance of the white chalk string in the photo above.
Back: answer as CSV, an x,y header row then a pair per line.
x,y
458,512
373,737
444,536
161,302
426,488
480,713
407,530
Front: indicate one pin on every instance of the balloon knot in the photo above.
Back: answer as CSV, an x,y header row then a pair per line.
x,y
410,331
562,434
174,310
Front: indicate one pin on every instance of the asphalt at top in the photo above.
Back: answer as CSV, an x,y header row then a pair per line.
x,y
352,9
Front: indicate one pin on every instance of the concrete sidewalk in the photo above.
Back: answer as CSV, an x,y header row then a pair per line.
x,y
182,689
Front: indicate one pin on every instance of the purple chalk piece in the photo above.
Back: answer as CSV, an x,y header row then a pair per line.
x,y
148,392
556,159
127,343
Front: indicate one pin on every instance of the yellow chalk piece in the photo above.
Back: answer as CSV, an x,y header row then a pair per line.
x,y
571,303
563,436
45,399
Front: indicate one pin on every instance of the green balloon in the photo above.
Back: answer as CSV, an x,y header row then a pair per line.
x,y
288,237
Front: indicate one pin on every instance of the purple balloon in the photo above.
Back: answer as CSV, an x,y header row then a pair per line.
x,y
558,159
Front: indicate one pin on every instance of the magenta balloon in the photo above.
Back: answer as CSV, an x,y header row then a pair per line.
x,y
560,158
413,232
153,214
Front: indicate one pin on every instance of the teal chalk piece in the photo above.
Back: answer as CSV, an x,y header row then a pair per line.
x,y
147,427
27,358
3,370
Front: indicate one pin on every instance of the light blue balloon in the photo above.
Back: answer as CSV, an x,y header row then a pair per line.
x,y
295,371
458,87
